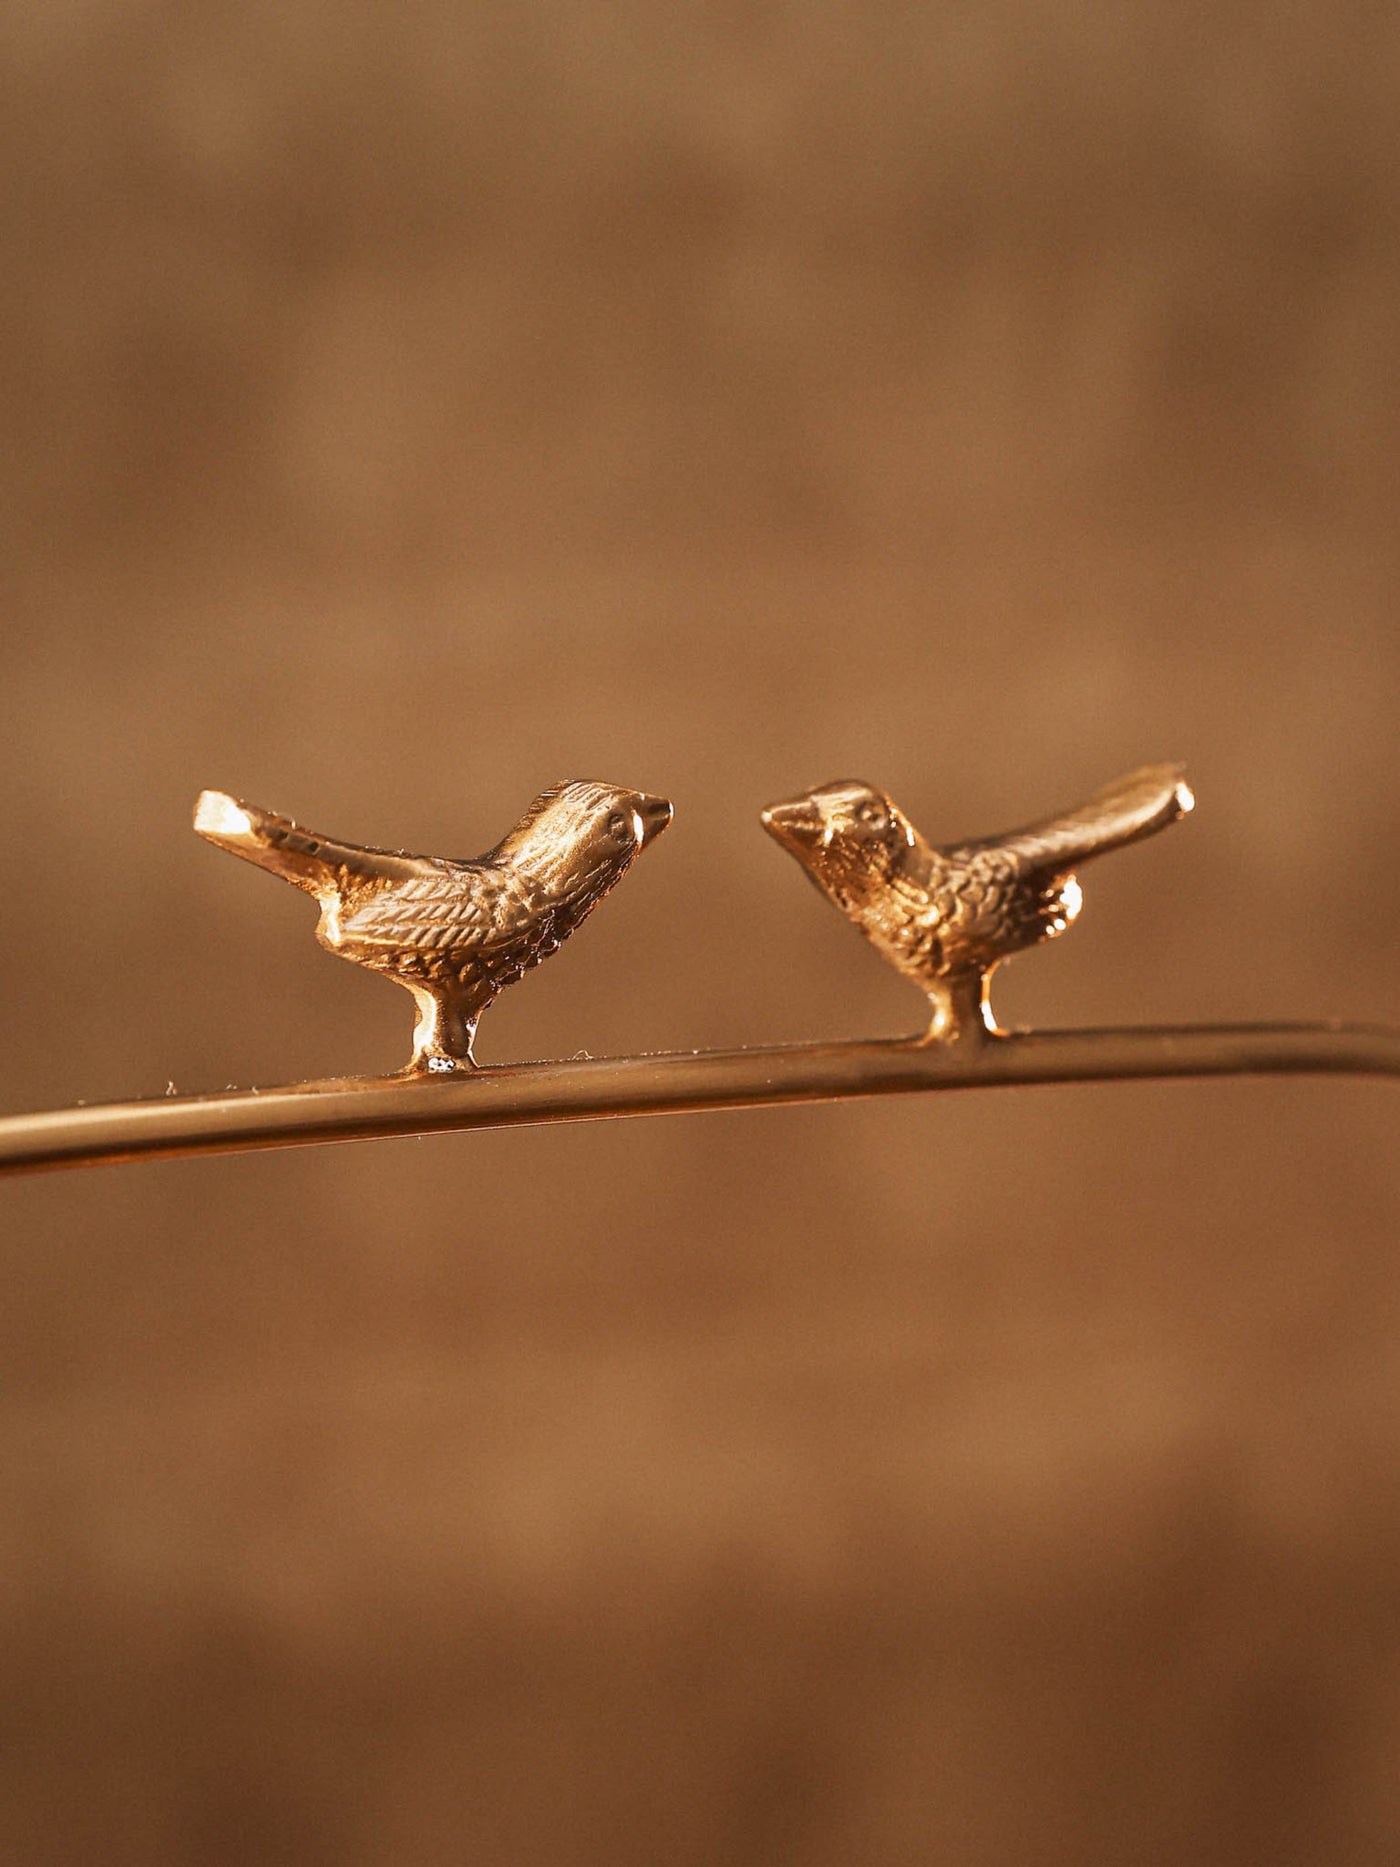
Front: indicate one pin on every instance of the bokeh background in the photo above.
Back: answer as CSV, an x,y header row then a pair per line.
x,y
406,408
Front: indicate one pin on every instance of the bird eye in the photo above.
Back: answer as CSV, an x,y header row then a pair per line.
x,y
620,827
871,815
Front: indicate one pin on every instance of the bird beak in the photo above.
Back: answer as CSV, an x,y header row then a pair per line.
x,y
795,822
655,813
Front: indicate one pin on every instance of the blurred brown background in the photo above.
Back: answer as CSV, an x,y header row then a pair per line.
x,y
404,409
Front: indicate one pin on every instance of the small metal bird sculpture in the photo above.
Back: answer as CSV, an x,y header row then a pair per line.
x,y
454,933
946,917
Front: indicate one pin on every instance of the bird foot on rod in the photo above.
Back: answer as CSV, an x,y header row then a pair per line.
x,y
961,1011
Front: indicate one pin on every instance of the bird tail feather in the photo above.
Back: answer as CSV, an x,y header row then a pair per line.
x,y
310,862
1134,806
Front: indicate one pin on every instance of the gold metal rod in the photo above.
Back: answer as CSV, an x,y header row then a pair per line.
x,y
369,1108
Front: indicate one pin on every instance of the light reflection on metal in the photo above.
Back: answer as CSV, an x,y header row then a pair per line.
x,y
455,933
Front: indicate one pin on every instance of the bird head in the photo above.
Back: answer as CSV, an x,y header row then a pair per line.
x,y
847,834
579,834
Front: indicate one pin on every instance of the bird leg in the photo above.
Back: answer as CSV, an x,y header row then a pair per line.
x,y
444,1033
962,1010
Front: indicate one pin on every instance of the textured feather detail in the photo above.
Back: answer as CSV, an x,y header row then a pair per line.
x,y
946,916
454,933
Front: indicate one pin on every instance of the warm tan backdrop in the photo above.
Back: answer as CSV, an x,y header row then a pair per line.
x,y
405,408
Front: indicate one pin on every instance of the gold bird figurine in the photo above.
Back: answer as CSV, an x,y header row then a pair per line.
x,y
946,917
454,933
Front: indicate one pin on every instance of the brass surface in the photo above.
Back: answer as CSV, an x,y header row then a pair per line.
x,y
518,1095
454,933
946,917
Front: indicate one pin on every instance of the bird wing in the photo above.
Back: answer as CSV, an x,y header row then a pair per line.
x,y
453,907
311,862
1134,806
